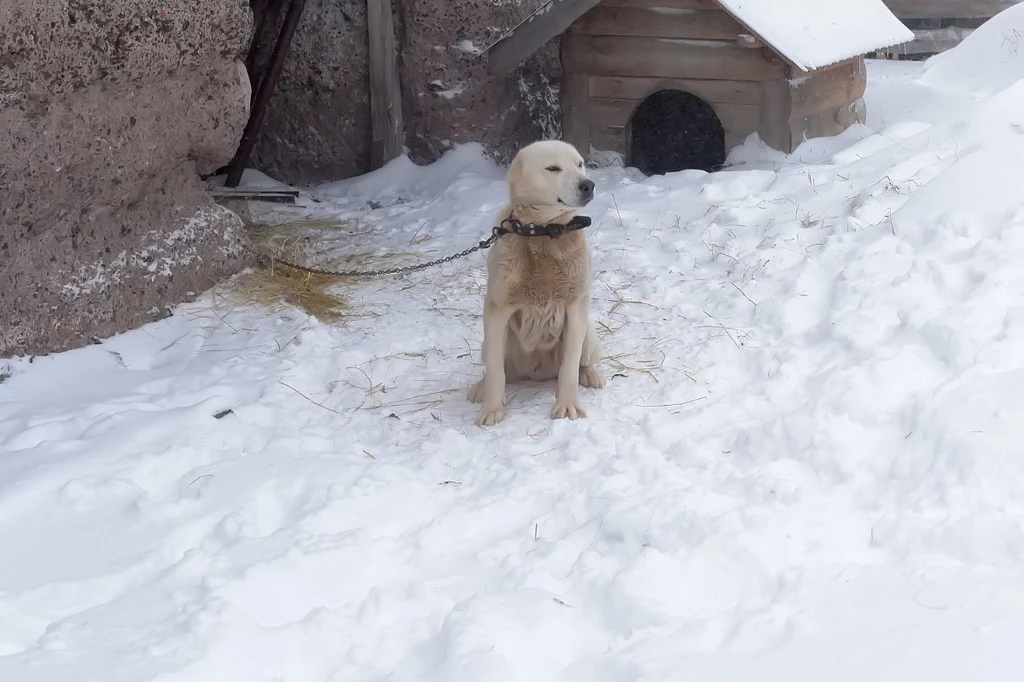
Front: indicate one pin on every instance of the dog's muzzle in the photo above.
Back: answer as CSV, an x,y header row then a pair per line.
x,y
585,191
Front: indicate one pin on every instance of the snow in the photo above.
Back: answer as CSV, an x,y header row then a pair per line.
x,y
812,34
806,464
988,63
469,47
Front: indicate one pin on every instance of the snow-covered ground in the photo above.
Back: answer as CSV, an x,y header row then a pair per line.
x,y
807,464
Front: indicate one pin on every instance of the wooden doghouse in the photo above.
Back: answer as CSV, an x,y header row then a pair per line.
x,y
674,84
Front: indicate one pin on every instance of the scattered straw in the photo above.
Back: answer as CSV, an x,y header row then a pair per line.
x,y
275,288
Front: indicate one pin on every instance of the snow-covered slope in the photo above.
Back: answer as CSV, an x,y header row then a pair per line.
x,y
990,59
806,464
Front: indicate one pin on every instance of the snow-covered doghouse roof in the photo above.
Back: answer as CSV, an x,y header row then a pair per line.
x,y
809,34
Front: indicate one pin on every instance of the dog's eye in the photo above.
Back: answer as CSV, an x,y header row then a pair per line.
x,y
554,169
580,164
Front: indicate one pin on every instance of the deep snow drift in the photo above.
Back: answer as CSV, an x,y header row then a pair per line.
x,y
807,463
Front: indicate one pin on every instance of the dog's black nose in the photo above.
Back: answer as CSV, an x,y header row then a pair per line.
x,y
587,187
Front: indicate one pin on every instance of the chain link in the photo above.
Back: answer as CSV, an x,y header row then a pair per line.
x,y
369,274
508,226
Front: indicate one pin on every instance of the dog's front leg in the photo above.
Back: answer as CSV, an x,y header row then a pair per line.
x,y
567,395
496,319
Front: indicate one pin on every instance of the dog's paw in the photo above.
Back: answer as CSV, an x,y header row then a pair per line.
x,y
568,409
476,392
591,378
490,416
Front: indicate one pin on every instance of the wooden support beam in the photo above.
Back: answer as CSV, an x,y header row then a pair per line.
x,y
387,127
575,95
547,22
266,91
277,196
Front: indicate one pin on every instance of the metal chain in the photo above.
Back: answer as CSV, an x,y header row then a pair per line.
x,y
367,274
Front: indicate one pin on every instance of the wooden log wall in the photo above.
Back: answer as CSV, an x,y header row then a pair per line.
x,y
621,51
819,104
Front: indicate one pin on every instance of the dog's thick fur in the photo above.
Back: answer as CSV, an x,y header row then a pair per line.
x,y
537,321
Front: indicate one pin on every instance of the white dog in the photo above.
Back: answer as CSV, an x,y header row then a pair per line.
x,y
537,306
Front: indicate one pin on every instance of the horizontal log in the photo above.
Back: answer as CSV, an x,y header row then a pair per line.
x,y
735,118
608,138
948,9
639,21
828,89
634,87
666,58
827,123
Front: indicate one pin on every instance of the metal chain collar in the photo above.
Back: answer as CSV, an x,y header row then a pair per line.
x,y
508,226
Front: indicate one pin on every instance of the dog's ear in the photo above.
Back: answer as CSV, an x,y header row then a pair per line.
x,y
515,170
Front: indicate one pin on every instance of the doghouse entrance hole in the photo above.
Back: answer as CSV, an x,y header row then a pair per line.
x,y
673,130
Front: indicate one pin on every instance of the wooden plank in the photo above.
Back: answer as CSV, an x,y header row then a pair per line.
x,y
609,138
827,123
773,122
948,9
827,89
735,118
612,113
640,21
665,58
267,195
735,139
250,191
708,5
261,101
634,87
387,129
547,22
576,111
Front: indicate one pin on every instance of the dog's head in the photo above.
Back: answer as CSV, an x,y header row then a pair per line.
x,y
550,173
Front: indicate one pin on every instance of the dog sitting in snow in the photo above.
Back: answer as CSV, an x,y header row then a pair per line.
x,y
537,323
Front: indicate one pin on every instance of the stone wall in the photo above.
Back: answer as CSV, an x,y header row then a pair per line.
x,y
109,111
318,125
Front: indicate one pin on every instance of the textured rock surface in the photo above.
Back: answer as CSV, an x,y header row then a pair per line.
x,y
109,110
318,127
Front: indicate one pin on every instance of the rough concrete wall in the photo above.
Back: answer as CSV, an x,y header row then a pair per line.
x,y
447,92
318,126
109,110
